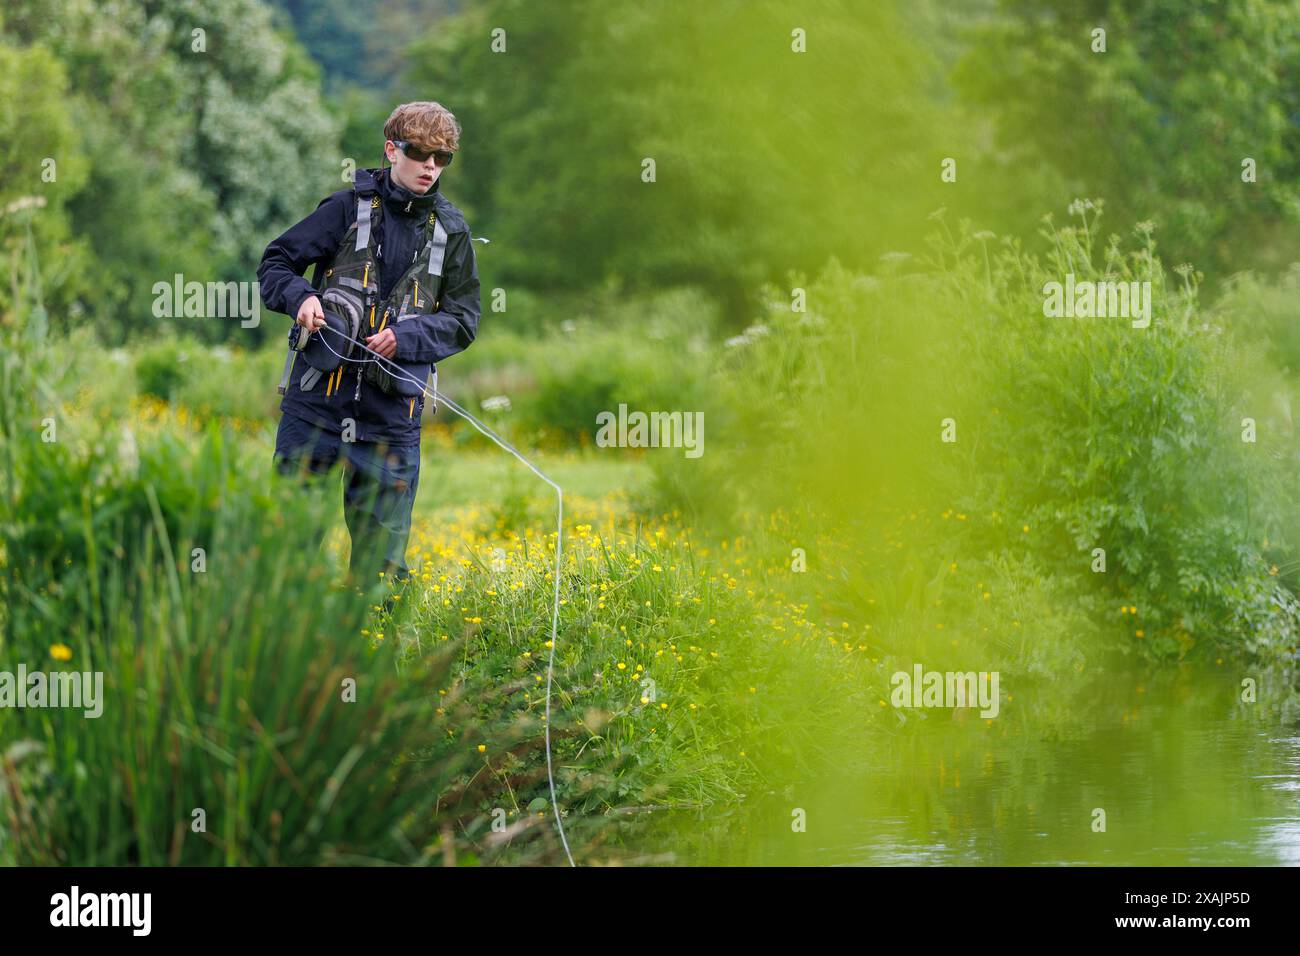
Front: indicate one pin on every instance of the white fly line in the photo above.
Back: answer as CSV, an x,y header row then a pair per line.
x,y
438,396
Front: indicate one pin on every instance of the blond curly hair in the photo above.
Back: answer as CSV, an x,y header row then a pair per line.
x,y
425,125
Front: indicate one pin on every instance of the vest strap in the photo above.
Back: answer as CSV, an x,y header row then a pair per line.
x,y
363,223
437,249
288,370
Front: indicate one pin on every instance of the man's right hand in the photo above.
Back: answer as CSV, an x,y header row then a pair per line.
x,y
310,315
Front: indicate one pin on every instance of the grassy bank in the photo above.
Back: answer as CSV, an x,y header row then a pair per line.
x,y
256,712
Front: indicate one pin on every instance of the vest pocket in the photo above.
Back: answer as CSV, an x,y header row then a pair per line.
x,y
405,386
410,384
415,372
342,319
419,371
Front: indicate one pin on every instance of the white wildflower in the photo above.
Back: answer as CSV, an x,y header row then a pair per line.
x,y
128,454
24,202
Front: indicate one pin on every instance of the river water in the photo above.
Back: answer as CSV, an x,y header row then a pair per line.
x,y
1185,772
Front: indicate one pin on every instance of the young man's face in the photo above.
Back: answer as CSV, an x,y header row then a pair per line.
x,y
416,175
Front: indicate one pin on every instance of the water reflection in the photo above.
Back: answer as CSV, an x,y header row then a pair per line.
x,y
1185,773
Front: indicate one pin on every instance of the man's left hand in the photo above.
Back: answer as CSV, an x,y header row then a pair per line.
x,y
384,343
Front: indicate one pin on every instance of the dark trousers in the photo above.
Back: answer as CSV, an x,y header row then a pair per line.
x,y
379,485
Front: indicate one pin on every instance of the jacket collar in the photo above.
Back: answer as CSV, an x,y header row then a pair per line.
x,y
402,202
398,199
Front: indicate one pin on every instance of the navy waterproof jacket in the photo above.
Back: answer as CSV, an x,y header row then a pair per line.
x,y
420,338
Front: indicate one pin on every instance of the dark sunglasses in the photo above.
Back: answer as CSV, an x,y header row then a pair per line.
x,y
441,157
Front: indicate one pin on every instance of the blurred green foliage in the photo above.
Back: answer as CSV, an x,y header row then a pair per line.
x,y
765,159
1070,434
1159,123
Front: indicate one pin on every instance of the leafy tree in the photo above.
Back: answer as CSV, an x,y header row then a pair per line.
x,y
767,159
359,45
41,165
200,146
1158,124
